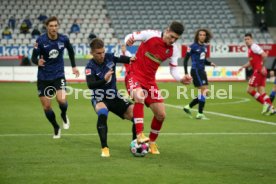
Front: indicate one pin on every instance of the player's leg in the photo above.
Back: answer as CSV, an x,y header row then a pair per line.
x,y
129,115
102,128
159,112
273,92
267,105
60,85
46,92
50,115
137,93
203,90
197,83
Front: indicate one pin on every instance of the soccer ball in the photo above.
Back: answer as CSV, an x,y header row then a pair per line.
x,y
139,150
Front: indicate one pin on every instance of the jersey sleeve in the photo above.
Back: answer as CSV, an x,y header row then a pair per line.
x,y
257,49
143,35
175,56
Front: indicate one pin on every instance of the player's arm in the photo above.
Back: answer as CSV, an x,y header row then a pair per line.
x,y
36,58
92,81
122,59
185,63
246,65
173,68
209,63
140,36
71,54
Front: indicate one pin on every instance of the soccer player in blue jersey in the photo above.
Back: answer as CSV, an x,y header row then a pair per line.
x,y
197,51
101,79
48,55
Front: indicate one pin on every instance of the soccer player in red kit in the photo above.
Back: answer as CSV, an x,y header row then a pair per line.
x,y
156,47
258,79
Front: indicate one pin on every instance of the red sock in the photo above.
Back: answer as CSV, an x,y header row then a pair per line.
x,y
257,96
155,129
266,99
138,117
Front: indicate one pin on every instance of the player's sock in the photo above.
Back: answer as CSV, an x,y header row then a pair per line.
x,y
138,117
194,102
266,99
272,95
102,126
201,103
52,118
133,130
155,129
257,96
63,107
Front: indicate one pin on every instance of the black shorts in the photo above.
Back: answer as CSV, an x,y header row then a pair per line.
x,y
118,105
49,87
199,77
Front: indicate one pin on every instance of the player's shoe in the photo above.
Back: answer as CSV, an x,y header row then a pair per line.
x,y
66,125
57,133
141,138
271,111
266,108
105,152
187,110
153,148
201,116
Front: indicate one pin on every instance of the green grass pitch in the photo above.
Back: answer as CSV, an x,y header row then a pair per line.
x,y
223,150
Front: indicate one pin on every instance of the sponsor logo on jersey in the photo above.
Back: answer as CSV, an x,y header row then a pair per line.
x,y
53,54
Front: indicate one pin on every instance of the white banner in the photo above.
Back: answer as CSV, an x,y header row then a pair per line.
x,y
29,74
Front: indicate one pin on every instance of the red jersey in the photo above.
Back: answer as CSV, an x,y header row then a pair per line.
x,y
256,60
150,54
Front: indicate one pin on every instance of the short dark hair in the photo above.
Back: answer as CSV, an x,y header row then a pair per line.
x,y
209,35
248,34
51,19
96,43
176,27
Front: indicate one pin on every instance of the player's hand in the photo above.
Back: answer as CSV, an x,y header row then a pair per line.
x,y
76,71
213,65
132,59
41,61
264,71
130,41
187,79
240,69
108,75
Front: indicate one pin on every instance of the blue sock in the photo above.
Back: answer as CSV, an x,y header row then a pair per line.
x,y
51,117
102,126
63,107
272,95
201,103
133,129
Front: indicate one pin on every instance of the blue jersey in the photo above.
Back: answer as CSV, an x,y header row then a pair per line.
x,y
52,52
198,55
98,71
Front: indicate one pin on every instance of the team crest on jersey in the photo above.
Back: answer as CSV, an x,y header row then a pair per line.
x,y
60,45
53,54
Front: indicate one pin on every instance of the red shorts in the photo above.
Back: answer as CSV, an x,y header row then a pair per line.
x,y
151,91
257,79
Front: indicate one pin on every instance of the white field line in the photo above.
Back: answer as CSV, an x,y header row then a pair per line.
x,y
163,134
241,100
228,116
